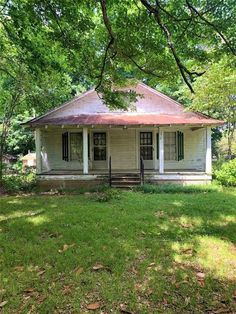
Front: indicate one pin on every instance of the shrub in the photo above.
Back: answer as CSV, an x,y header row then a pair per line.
x,y
22,182
107,195
175,188
227,173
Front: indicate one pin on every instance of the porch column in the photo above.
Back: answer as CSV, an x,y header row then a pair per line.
x,y
161,151
208,149
85,150
38,146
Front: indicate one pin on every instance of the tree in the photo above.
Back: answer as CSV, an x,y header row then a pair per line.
x,y
216,95
20,140
99,42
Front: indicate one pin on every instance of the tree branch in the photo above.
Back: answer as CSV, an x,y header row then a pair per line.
x,y
200,15
155,11
142,68
110,43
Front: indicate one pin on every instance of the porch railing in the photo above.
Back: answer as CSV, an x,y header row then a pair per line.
x,y
109,167
141,171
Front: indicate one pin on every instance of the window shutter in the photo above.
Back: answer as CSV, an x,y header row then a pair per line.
x,y
157,145
180,145
65,146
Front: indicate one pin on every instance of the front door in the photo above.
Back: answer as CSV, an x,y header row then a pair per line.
x,y
146,149
99,150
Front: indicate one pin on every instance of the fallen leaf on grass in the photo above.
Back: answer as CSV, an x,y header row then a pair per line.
x,y
234,294
2,304
98,266
188,251
66,247
134,270
19,268
29,290
123,309
40,299
67,289
93,306
79,270
41,272
200,278
221,311
186,225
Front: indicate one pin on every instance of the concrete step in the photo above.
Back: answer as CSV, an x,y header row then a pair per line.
x,y
117,186
125,180
125,183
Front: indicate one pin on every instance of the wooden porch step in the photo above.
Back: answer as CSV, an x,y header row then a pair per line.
x,y
125,183
128,187
127,180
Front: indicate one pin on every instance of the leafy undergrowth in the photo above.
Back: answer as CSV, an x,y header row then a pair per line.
x,y
139,253
177,188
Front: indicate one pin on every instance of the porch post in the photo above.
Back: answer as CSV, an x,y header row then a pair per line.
x,y
161,151
85,150
38,146
208,149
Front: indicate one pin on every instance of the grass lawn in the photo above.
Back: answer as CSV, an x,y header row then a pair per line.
x,y
142,253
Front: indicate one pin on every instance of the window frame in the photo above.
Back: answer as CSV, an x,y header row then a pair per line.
x,y
175,145
105,146
70,156
146,145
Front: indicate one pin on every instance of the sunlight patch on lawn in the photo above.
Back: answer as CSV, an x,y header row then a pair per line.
x,y
15,201
211,254
218,256
18,214
38,220
178,203
224,220
188,222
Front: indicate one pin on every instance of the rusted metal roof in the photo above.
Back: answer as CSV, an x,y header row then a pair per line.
x,y
152,108
129,119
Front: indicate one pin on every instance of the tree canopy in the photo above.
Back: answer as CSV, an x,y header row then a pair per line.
x,y
53,49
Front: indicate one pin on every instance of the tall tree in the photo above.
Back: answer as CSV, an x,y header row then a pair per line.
x,y
103,41
216,95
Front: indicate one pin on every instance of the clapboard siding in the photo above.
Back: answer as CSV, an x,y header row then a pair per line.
x,y
194,152
122,146
52,152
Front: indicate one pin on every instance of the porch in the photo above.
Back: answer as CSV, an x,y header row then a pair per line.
x,y
89,155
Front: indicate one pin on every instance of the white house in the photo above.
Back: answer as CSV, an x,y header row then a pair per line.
x,y
82,142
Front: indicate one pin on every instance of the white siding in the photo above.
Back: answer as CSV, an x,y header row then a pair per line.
x,y
52,151
123,148
194,152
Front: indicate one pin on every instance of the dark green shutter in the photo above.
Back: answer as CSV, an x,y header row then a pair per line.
x,y
65,146
180,145
157,145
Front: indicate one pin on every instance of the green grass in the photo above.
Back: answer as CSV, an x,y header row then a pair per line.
x,y
162,253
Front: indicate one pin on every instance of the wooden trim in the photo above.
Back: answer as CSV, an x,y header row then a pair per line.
x,y
161,150
208,150
38,147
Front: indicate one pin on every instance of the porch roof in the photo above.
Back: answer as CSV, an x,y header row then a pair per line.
x,y
117,119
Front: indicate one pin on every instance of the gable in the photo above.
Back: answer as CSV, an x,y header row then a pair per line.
x,y
90,103
151,108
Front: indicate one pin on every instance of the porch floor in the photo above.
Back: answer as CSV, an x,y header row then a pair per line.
x,y
125,171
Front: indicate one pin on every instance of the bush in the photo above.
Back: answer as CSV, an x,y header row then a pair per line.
x,y
175,188
227,173
22,182
107,195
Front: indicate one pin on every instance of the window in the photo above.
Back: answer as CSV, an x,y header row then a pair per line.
x,y
76,146
146,149
170,146
99,145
